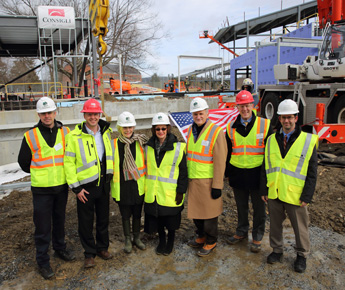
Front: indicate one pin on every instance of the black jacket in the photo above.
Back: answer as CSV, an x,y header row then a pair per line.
x,y
182,182
243,178
310,182
129,193
25,156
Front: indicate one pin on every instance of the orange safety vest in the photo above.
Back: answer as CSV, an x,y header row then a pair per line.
x,y
248,152
46,166
200,153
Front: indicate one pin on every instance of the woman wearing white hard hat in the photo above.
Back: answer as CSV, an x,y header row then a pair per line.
x,y
127,186
166,183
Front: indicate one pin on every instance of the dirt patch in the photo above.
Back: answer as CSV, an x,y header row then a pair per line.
x,y
229,267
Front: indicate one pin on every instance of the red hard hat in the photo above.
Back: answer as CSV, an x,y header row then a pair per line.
x,y
244,97
91,106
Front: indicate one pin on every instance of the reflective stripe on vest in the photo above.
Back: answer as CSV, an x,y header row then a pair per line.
x,y
37,161
286,177
248,152
161,182
46,166
172,171
139,161
200,153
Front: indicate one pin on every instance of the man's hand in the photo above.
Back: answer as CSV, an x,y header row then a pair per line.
x,y
216,193
178,198
264,198
303,204
81,195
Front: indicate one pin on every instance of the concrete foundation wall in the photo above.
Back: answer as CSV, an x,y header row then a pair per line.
x,y
13,124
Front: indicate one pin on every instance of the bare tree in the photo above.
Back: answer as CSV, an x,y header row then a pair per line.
x,y
133,29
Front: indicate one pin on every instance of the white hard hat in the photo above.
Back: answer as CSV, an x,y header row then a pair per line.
x,y
160,119
126,119
198,104
247,82
45,104
287,107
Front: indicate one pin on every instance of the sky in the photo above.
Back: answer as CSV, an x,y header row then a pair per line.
x,y
186,19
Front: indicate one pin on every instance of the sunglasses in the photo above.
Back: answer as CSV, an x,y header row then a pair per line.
x,y
160,129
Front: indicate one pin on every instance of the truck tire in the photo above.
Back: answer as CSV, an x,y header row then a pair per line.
x,y
270,107
339,111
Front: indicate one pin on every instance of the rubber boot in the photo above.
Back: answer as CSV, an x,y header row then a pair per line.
x,y
170,244
127,232
136,234
162,242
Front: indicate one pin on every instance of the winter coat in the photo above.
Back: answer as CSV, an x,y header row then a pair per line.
x,y
154,208
243,178
129,193
310,181
200,203
25,156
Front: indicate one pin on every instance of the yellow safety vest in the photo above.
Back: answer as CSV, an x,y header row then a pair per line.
x,y
46,166
200,154
139,161
248,152
286,176
161,182
81,163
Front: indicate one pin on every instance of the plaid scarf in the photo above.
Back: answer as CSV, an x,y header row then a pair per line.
x,y
130,169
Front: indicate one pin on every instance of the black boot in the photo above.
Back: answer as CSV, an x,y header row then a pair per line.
x,y
126,224
136,234
170,244
162,242
300,264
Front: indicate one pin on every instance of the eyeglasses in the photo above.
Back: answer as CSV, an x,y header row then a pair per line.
x,y
160,129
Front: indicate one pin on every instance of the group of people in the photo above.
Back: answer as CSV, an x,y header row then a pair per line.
x,y
261,166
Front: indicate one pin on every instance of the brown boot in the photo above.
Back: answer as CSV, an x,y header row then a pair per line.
x,y
197,243
206,250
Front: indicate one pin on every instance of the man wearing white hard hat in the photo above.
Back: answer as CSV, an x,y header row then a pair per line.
x,y
288,183
206,155
41,155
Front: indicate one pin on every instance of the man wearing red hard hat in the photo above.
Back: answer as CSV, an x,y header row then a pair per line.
x,y
246,138
89,166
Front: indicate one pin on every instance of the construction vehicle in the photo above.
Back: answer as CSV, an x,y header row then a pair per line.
x,y
318,83
172,86
206,34
115,87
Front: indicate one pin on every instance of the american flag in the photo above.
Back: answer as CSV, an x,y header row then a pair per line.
x,y
220,117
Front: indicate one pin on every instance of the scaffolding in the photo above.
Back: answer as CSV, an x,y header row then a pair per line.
x,y
67,49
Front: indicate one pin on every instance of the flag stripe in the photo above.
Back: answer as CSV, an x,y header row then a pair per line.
x,y
220,117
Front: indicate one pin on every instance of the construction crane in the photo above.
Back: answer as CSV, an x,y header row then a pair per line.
x,y
319,83
205,34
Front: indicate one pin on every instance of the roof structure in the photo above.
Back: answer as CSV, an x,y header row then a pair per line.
x,y
19,37
266,22
206,70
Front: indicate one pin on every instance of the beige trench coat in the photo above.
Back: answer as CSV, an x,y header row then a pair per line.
x,y
200,203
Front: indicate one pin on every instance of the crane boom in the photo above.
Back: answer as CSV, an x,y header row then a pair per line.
x,y
205,34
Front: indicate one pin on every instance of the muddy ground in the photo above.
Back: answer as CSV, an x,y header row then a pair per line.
x,y
228,267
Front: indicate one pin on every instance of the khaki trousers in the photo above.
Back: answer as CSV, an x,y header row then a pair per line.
x,y
299,219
